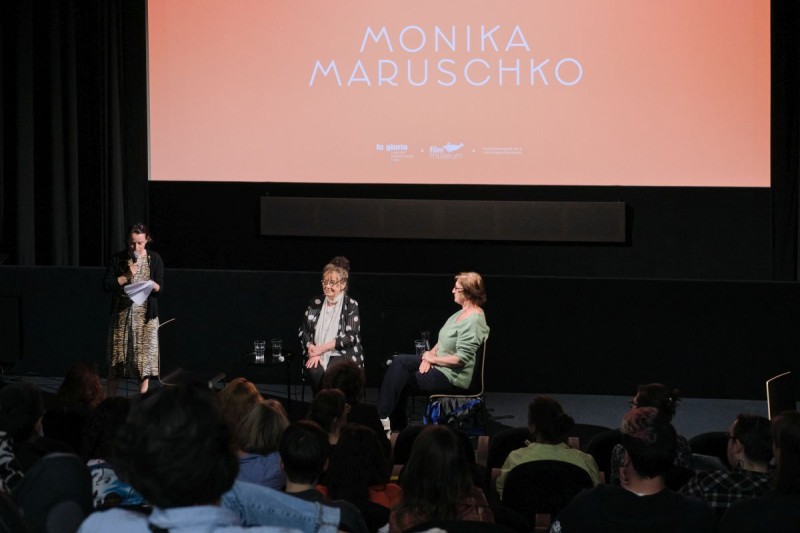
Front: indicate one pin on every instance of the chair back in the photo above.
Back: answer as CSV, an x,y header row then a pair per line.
x,y
780,394
543,487
600,447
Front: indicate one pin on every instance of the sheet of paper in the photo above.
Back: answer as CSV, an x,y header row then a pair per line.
x,y
139,291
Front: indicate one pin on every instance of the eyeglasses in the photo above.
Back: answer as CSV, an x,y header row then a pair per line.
x,y
330,282
730,436
633,404
458,289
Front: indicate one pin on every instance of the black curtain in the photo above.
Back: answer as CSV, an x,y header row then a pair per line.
x,y
73,156
73,165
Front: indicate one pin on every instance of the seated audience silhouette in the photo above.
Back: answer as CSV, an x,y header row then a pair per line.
x,y
666,400
259,436
177,451
349,378
437,484
304,455
101,431
642,502
359,472
329,409
777,511
548,425
749,455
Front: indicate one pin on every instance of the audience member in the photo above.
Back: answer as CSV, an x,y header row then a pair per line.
x,y
177,451
777,511
348,377
329,409
81,387
101,431
259,438
642,502
358,472
437,484
666,401
548,425
304,455
237,399
749,455
21,411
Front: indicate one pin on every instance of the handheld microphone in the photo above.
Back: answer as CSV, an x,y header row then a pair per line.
x,y
136,256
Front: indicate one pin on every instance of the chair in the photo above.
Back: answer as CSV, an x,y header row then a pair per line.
x,y
56,493
712,444
780,394
600,447
543,487
475,391
503,443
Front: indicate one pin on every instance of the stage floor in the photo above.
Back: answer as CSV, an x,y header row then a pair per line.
x,y
694,416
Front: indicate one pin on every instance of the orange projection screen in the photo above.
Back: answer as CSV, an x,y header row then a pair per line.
x,y
507,92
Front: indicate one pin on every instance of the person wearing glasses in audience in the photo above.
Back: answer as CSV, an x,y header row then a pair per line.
x,y
331,329
447,367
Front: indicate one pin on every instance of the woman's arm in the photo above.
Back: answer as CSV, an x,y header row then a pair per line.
x,y
349,333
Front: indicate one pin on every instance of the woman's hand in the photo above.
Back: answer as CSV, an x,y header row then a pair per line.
x,y
156,287
424,366
313,350
313,361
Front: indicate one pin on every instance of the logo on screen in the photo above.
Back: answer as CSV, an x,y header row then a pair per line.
x,y
446,151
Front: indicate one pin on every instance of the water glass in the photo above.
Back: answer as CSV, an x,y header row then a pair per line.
x,y
259,347
421,346
277,348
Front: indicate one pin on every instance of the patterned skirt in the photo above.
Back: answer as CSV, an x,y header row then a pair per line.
x,y
132,345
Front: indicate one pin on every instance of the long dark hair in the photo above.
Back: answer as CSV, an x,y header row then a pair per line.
x,y
437,476
548,419
357,463
786,436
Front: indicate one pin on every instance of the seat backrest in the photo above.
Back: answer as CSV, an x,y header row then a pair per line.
x,y
503,443
712,443
600,447
543,487
780,394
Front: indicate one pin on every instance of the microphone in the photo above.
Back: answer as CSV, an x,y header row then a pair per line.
x,y
135,256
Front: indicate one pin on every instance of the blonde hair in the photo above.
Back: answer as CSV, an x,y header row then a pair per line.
x,y
237,399
474,290
261,429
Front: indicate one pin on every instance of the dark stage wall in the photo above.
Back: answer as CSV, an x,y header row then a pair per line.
x,y
602,336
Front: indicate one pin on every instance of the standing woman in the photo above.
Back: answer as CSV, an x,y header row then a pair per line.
x,y
331,328
133,329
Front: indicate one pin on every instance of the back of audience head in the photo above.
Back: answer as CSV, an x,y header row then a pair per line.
x,y
357,463
261,429
437,475
237,399
304,451
21,410
176,449
348,377
663,398
786,439
101,430
81,387
547,420
329,409
752,433
650,440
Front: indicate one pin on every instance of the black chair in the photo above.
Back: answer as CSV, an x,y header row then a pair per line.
x,y
600,447
56,494
503,443
476,390
712,444
543,487
585,433
780,394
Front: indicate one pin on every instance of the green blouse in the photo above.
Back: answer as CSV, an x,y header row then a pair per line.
x,y
463,340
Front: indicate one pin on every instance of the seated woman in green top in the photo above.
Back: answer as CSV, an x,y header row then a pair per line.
x,y
447,367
